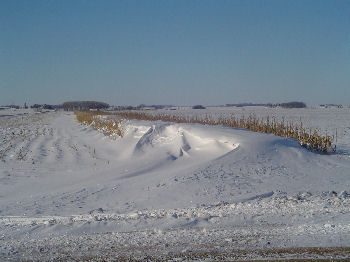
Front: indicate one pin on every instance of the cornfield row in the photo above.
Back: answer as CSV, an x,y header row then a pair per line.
x,y
308,138
110,127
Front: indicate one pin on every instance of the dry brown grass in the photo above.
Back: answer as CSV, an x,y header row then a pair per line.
x,y
110,127
308,138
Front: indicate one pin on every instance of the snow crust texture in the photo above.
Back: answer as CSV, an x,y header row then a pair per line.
x,y
163,191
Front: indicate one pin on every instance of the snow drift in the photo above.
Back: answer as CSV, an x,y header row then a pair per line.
x,y
61,178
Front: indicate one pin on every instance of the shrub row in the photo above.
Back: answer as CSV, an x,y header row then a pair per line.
x,y
307,138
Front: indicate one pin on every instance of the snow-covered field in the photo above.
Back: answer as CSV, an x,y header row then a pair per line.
x,y
167,191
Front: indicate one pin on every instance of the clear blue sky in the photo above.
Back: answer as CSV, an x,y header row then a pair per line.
x,y
174,52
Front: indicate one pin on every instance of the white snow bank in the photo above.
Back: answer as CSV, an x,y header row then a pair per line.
x,y
62,178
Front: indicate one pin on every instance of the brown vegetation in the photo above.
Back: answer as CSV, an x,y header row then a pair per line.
x,y
110,127
308,138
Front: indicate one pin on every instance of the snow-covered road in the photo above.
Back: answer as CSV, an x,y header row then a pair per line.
x,y
163,189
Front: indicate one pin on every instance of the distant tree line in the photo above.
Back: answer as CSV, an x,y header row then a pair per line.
x,y
13,106
198,107
284,105
289,105
245,104
141,107
84,105
45,106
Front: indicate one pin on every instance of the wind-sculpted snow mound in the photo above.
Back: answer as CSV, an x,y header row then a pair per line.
x,y
175,140
154,148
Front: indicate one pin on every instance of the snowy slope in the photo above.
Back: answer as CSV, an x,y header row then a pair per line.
x,y
172,184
